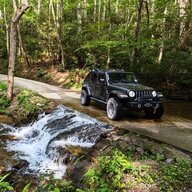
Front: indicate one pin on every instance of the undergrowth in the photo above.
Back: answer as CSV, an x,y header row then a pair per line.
x,y
117,172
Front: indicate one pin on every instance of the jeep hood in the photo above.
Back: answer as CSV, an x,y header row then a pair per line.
x,y
131,86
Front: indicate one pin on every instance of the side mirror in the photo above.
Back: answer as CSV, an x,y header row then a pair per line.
x,y
159,94
137,81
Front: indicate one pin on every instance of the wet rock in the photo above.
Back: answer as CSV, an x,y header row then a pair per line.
x,y
6,119
153,148
2,169
7,137
20,165
48,111
139,150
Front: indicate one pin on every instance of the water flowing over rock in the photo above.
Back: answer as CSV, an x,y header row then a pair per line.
x,y
43,143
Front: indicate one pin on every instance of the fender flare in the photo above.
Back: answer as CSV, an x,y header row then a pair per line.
x,y
118,94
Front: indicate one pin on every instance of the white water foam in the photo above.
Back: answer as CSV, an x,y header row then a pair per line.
x,y
38,143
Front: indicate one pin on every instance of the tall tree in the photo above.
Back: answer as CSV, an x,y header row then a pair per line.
x,y
6,28
22,51
59,20
139,7
13,46
161,50
79,18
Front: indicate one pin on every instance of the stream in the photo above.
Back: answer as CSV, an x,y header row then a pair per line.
x,y
44,144
47,145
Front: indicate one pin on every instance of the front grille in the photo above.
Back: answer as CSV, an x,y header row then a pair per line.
x,y
145,93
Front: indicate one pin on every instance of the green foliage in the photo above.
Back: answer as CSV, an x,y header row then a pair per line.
x,y
27,101
60,68
107,36
55,185
118,172
26,188
4,102
3,86
75,79
109,173
5,186
176,176
43,74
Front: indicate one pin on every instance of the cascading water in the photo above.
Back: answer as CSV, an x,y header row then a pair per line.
x,y
43,143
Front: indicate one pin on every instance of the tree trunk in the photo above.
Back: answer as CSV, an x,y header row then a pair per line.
x,y
22,48
51,54
21,45
152,6
51,8
104,11
95,10
79,18
109,35
182,27
59,31
1,17
117,7
161,50
7,29
12,53
99,14
85,10
137,30
39,7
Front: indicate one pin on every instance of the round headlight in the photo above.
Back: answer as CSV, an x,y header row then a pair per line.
x,y
154,93
131,94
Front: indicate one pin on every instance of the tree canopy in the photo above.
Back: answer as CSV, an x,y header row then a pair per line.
x,y
151,38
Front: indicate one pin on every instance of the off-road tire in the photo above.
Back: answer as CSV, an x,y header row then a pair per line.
x,y
114,109
157,114
85,99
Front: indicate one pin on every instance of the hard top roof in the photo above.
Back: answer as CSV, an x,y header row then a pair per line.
x,y
108,70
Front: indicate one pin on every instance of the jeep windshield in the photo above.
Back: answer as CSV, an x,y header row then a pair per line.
x,y
121,78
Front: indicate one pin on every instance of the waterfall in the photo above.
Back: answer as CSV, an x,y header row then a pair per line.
x,y
44,142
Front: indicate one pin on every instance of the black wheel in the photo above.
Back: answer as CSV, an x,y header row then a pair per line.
x,y
114,109
85,99
155,113
159,112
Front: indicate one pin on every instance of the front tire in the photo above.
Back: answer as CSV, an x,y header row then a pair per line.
x,y
114,109
159,112
155,114
84,99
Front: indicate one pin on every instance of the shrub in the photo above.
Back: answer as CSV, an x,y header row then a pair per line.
x,y
3,86
5,186
25,100
4,102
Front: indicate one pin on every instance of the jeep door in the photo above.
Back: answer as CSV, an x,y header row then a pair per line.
x,y
101,87
93,84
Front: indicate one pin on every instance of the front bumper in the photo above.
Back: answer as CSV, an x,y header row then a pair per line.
x,y
143,103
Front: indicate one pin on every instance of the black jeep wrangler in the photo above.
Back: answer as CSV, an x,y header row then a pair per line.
x,y
118,90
